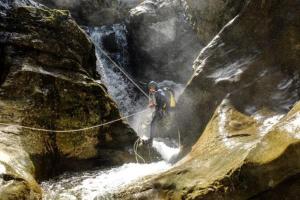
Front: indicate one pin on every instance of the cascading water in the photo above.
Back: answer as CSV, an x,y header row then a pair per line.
x,y
101,184
113,40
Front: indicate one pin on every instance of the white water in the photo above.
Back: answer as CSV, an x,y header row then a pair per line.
x,y
119,87
102,184
99,184
166,152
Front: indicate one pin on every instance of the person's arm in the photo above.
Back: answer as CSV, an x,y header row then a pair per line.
x,y
151,102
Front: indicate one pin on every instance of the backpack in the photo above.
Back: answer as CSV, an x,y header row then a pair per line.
x,y
170,97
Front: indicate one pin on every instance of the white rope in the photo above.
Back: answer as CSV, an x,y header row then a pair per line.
x,y
74,130
179,139
135,149
123,71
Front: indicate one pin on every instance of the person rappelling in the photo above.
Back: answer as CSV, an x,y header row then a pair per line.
x,y
163,101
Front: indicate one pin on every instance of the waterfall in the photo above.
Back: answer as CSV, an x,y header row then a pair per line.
x,y
113,40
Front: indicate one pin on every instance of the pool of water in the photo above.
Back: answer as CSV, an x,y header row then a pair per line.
x,y
101,184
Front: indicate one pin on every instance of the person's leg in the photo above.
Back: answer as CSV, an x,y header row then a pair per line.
x,y
153,126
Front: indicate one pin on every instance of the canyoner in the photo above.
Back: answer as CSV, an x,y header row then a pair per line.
x,y
162,100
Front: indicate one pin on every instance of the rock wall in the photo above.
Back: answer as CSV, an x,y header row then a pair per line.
x,y
209,16
239,114
253,59
237,157
48,81
162,42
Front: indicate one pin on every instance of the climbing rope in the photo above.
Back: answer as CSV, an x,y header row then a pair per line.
x,y
135,149
123,71
74,130
179,139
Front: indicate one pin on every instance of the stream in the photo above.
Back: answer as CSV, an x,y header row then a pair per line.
x,y
101,184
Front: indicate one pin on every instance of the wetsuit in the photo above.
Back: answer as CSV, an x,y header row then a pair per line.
x,y
160,100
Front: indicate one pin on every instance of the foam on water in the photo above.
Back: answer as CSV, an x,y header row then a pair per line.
x,y
166,152
99,184
102,184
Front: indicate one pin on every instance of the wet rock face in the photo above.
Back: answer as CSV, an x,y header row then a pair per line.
x,y
162,42
238,157
94,12
6,4
209,16
253,60
48,73
238,141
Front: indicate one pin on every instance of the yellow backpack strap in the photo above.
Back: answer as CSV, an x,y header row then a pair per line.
x,y
172,100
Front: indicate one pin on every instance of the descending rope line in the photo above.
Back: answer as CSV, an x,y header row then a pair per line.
x,y
123,71
135,149
179,139
137,142
74,130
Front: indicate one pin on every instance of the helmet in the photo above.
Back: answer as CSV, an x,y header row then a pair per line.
x,y
153,84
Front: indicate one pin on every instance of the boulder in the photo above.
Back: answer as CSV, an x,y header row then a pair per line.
x,y
49,81
237,157
162,43
94,12
253,60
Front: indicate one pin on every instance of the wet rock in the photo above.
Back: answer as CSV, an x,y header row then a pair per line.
x,y
162,42
48,81
94,12
253,60
254,160
209,16
110,43
7,4
288,189
237,116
